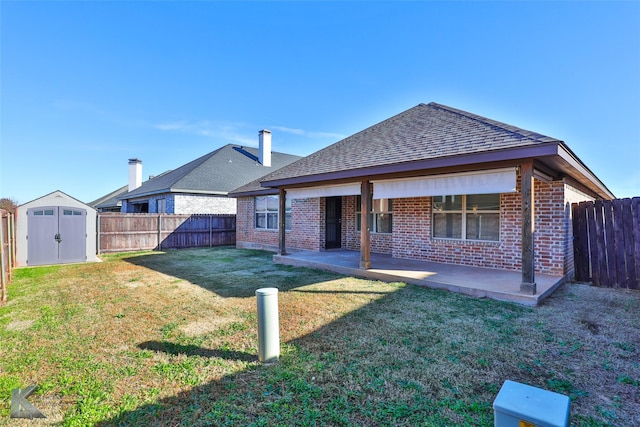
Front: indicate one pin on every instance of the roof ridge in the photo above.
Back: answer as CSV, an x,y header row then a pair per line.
x,y
200,161
514,130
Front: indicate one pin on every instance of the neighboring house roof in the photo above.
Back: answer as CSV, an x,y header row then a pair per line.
x,y
217,173
109,200
114,199
429,136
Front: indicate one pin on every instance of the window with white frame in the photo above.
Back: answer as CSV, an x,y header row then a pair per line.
x,y
380,217
267,208
467,217
161,205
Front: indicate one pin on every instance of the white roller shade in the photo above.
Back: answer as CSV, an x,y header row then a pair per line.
x,y
351,189
482,182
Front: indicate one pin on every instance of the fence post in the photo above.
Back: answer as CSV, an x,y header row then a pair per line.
x,y
12,243
98,233
159,231
210,231
3,279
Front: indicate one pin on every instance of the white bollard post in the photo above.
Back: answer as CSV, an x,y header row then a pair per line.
x,y
268,325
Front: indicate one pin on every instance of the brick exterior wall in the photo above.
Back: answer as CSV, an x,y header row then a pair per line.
x,y
411,237
307,226
203,204
381,243
186,204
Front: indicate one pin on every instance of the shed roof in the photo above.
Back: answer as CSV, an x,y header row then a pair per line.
x,y
55,198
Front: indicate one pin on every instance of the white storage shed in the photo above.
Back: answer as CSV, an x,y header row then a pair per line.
x,y
55,229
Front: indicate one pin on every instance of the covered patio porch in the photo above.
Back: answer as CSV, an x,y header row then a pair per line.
x,y
474,281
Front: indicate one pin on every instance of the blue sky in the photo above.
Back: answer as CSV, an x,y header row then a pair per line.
x,y
87,85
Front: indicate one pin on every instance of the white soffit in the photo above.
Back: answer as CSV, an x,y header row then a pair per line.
x,y
481,182
324,191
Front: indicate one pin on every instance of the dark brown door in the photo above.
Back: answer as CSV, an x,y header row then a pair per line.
x,y
334,223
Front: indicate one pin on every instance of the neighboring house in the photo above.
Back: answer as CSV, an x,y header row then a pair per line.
x,y
109,202
437,184
202,186
112,202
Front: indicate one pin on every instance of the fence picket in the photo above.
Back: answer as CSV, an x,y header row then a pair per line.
x,y
580,242
607,242
128,232
635,215
618,247
628,249
611,238
7,250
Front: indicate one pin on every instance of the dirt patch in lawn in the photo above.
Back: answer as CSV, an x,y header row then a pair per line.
x,y
19,325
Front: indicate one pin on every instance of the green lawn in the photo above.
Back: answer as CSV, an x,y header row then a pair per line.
x,y
170,338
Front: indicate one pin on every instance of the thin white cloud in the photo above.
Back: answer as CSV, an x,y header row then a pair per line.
x,y
181,126
289,130
309,134
330,135
230,132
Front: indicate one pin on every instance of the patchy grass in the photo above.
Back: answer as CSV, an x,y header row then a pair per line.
x,y
170,338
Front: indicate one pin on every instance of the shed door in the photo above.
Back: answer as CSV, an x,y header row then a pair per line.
x,y
56,235
42,226
72,232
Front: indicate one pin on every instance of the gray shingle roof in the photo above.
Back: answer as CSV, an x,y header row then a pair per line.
x,y
110,200
421,133
217,172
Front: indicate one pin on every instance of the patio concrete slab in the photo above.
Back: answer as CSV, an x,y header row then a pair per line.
x,y
474,281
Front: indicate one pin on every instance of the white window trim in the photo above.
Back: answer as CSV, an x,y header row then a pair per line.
x,y
266,212
373,217
464,212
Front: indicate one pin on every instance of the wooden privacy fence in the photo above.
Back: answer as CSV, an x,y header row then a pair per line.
x,y
7,251
606,242
131,232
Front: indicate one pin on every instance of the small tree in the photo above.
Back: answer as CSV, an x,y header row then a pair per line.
x,y
8,204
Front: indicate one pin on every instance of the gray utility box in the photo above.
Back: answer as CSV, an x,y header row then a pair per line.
x,y
521,405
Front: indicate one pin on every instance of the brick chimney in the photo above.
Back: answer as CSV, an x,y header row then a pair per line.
x,y
135,174
264,139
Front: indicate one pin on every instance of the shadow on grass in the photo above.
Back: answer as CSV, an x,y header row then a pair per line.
x,y
259,395
193,350
229,272
344,373
388,362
